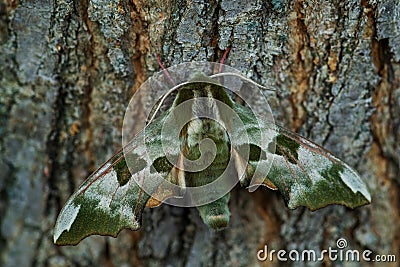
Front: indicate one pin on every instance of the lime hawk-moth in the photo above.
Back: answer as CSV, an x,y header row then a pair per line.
x,y
205,138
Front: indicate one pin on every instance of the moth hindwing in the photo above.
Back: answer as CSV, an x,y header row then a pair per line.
x,y
112,198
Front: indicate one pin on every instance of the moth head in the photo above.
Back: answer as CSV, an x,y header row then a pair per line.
x,y
202,77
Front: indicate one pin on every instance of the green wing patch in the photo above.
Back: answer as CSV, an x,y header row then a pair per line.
x,y
287,148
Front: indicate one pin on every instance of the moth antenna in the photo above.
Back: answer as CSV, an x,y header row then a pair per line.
x,y
163,99
166,73
223,59
241,77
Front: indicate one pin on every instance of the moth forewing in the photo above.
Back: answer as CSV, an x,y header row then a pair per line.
x,y
111,199
305,173
308,175
101,206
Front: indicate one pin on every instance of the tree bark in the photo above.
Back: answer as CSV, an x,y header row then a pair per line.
x,y
68,69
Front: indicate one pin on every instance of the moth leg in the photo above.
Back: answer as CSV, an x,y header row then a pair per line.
x,y
216,214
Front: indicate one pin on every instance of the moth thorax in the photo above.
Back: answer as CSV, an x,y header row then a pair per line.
x,y
202,128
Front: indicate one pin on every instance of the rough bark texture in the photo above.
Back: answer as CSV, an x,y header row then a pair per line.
x,y
68,69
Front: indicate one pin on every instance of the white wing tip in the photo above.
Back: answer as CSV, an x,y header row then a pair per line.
x,y
65,220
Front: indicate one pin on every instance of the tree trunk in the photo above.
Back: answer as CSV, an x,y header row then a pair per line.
x,y
68,69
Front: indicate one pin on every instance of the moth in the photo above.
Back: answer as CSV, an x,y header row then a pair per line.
x,y
113,198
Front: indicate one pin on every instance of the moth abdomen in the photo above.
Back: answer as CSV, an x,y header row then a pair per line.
x,y
216,214
217,222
